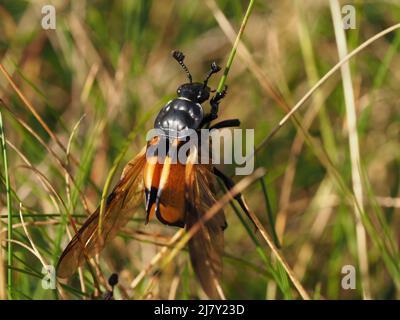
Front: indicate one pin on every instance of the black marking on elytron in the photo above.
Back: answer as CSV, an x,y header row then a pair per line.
x,y
150,196
178,223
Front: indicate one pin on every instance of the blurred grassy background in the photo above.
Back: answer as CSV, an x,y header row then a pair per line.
x,y
98,81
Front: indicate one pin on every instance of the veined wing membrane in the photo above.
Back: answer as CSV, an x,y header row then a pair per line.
x,y
207,245
120,206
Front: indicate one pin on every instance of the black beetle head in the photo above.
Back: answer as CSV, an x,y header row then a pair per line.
x,y
194,91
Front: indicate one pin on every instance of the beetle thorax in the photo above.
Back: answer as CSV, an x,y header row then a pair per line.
x,y
178,115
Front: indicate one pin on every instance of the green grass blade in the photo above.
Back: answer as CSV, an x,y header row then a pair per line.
x,y
9,211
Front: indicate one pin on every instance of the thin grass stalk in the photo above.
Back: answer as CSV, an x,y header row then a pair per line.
x,y
221,83
353,145
248,229
314,88
271,219
303,293
31,108
277,276
261,252
9,212
317,108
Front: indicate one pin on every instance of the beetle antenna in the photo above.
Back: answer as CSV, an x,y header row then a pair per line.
x,y
179,56
214,69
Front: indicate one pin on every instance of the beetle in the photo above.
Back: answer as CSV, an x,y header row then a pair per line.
x,y
179,194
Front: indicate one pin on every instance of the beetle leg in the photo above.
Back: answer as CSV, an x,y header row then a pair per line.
x,y
229,184
226,124
206,120
215,103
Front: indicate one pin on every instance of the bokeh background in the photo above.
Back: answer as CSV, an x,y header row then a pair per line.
x,y
97,83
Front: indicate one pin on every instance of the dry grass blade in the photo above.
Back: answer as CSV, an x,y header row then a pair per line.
x,y
33,246
354,146
45,183
389,202
323,205
278,254
48,186
67,174
29,223
31,108
245,54
64,167
317,109
174,288
156,259
23,245
323,79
